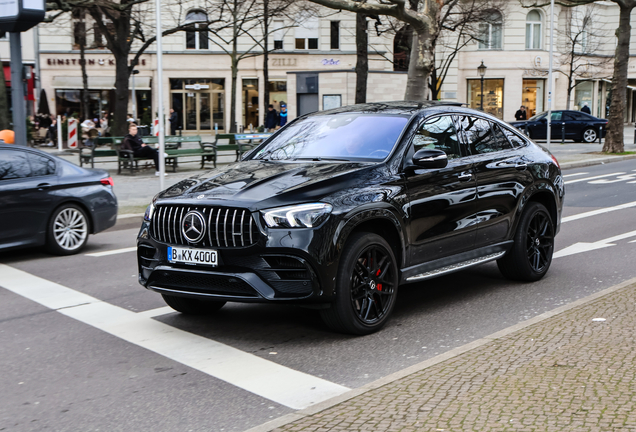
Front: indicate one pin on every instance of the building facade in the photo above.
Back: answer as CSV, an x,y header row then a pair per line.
x,y
312,67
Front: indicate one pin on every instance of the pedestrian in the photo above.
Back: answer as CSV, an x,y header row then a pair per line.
x,y
174,120
133,142
129,118
586,109
521,113
282,115
271,120
51,134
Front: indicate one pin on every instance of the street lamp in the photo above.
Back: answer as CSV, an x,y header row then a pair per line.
x,y
482,71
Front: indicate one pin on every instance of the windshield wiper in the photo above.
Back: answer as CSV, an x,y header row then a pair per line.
x,y
320,158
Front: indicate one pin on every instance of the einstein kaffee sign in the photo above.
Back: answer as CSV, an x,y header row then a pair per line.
x,y
20,15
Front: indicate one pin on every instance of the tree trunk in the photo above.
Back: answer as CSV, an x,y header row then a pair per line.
x,y
362,58
433,86
421,63
265,102
84,105
233,128
122,75
614,141
4,104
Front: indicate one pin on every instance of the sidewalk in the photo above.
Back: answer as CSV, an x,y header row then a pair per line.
x,y
568,372
135,192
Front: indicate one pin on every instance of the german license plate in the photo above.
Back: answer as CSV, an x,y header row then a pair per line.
x,y
192,256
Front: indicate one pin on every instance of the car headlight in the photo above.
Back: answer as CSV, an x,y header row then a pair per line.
x,y
297,216
150,209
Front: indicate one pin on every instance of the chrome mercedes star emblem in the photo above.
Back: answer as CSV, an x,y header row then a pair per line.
x,y
372,285
201,197
193,227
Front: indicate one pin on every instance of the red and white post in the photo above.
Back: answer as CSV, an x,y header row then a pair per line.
x,y
72,133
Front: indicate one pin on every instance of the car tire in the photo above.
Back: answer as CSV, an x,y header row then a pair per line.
x,y
589,135
191,306
531,254
68,230
365,291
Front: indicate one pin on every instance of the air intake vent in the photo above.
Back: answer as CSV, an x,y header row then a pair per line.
x,y
223,227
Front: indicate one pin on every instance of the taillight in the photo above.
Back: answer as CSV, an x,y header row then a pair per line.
x,y
107,181
556,161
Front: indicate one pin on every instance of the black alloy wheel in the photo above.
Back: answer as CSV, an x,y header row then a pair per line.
x,y
531,254
366,287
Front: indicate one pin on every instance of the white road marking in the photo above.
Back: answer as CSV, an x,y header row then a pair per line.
x,y
586,247
112,252
564,176
156,312
598,212
593,178
262,377
619,178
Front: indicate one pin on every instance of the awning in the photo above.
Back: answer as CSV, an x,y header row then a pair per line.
x,y
97,83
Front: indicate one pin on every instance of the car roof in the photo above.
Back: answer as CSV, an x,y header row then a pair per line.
x,y
392,107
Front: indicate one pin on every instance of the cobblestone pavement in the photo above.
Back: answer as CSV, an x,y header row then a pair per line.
x,y
567,373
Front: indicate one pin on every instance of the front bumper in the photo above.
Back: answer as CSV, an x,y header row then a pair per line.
x,y
263,272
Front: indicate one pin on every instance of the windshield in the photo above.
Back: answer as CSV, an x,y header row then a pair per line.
x,y
537,117
349,136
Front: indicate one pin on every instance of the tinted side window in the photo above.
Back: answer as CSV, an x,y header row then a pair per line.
x,y
13,164
556,116
438,133
479,135
514,139
41,165
501,142
580,116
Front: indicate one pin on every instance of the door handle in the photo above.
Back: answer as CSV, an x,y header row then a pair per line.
x,y
465,177
521,166
44,186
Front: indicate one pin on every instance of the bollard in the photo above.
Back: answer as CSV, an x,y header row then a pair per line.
x,y
600,134
562,133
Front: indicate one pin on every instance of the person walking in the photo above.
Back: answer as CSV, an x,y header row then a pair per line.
x,y
521,113
282,115
174,120
271,120
586,109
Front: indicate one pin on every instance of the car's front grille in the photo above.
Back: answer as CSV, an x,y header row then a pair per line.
x,y
225,227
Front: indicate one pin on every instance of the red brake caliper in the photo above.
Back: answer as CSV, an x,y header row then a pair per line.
x,y
379,285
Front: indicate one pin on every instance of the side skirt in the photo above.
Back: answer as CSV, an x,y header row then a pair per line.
x,y
454,263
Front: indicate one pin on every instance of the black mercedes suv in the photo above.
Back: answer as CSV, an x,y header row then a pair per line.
x,y
339,208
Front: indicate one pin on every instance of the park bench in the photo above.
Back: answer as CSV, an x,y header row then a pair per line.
x,y
238,143
100,151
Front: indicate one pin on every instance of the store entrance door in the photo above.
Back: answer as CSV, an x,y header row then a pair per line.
x,y
197,111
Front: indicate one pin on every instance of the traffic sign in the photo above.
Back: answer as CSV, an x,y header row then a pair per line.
x,y
20,15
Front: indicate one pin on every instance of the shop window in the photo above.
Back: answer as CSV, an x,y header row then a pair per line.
x,y
583,93
533,30
491,32
492,96
277,93
335,35
532,96
197,39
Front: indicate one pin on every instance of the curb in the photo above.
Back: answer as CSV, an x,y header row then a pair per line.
x,y
329,403
596,161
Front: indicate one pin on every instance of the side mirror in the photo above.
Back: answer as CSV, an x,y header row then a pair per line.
x,y
430,158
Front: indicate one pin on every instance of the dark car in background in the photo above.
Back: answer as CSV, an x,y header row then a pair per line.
x,y
45,200
339,208
573,125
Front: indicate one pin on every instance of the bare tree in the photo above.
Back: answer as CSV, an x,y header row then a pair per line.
x,y
250,20
615,133
580,58
123,23
362,57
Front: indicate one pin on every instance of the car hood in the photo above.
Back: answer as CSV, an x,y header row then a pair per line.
x,y
261,184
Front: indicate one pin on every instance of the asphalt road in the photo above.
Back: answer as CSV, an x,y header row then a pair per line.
x,y
105,363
